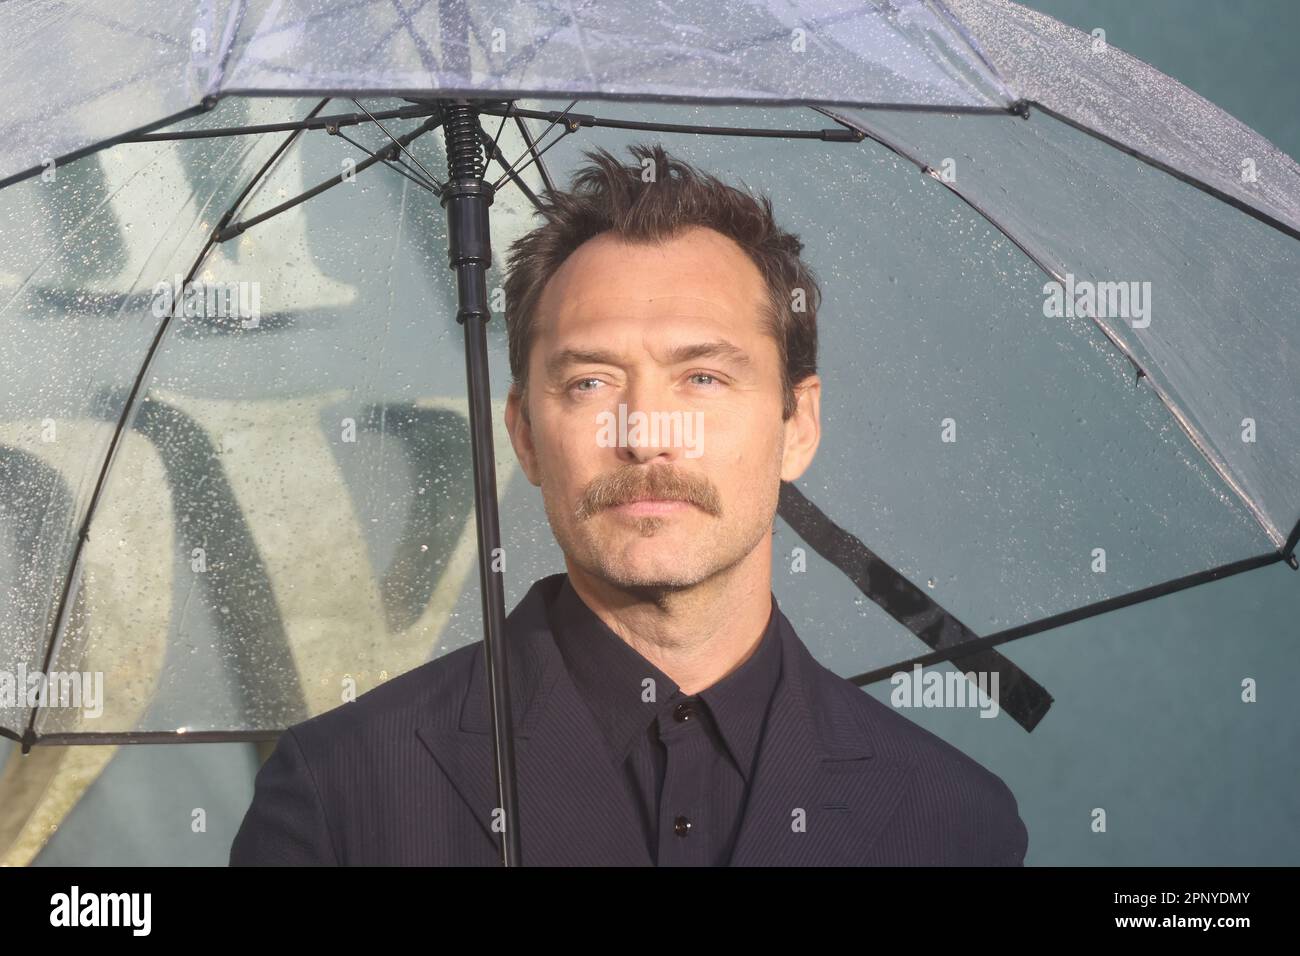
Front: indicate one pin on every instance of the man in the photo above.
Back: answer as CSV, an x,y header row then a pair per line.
x,y
663,343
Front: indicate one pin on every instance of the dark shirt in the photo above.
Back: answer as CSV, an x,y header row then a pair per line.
x,y
687,761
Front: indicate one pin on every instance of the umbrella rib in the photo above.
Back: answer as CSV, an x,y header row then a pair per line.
x,y
235,229
569,127
207,104
1288,549
56,633
513,172
532,146
493,149
1078,614
84,97
572,122
401,146
494,152
411,173
104,738
841,134
397,165
318,122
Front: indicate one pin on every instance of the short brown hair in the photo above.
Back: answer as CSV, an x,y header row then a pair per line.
x,y
606,196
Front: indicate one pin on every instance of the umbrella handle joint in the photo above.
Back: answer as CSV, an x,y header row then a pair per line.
x,y
467,198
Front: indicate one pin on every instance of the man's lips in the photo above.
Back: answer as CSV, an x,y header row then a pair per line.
x,y
652,506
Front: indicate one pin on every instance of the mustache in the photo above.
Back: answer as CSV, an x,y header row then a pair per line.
x,y
630,484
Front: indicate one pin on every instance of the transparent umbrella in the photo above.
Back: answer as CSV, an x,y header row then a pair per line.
x,y
248,415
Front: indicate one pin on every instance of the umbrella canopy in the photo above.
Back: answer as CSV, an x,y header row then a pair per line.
x,y
1060,364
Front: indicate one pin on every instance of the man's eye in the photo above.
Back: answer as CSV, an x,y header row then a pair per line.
x,y
714,378
576,385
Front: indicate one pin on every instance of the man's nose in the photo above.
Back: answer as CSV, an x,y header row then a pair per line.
x,y
650,431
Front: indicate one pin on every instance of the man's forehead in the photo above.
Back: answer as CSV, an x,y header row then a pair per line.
x,y
696,272
594,307
596,328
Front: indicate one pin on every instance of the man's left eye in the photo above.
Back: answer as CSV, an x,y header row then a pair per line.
x,y
704,375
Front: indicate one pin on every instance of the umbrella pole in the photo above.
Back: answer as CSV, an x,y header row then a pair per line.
x,y
466,197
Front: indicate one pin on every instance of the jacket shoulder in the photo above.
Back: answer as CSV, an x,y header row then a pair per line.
x,y
951,791
299,812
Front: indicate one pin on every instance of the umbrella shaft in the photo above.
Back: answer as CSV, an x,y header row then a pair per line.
x,y
466,197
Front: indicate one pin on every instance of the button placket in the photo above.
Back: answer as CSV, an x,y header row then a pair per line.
x,y
680,839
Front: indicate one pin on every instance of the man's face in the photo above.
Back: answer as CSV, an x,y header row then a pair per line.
x,y
675,334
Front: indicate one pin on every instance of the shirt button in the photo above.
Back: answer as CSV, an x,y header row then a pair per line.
x,y
684,711
681,826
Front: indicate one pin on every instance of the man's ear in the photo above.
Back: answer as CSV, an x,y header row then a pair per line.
x,y
803,431
521,433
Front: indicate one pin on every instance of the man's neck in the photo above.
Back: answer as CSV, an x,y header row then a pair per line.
x,y
698,635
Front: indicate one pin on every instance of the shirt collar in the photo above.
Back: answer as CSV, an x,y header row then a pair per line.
x,y
610,674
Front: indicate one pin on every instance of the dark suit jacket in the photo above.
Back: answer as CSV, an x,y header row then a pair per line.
x,y
404,775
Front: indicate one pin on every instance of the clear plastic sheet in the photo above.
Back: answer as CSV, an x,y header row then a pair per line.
x,y
1098,85
77,74
213,585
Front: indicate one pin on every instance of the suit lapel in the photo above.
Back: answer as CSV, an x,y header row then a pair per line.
x,y
574,807
820,795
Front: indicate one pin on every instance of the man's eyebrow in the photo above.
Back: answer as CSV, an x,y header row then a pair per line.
x,y
677,355
562,359
717,349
